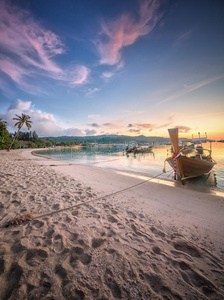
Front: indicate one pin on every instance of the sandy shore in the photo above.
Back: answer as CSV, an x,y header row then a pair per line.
x,y
150,242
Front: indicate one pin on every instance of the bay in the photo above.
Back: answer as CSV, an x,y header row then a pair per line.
x,y
149,164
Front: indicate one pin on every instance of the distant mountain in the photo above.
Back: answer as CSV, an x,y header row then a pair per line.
x,y
110,139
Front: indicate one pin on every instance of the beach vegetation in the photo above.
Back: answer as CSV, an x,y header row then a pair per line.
x,y
4,135
21,120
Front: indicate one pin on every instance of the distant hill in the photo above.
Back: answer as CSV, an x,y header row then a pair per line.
x,y
110,139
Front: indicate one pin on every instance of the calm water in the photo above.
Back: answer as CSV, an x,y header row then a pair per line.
x,y
148,163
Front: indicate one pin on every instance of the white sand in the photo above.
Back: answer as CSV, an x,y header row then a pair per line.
x,y
150,242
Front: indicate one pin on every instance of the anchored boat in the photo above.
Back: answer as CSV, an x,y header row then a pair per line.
x,y
187,167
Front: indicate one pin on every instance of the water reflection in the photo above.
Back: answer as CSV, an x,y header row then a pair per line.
x,y
140,156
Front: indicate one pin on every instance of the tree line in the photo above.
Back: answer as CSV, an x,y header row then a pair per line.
x,y
28,139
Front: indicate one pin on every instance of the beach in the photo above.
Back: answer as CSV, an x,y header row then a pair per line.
x,y
103,234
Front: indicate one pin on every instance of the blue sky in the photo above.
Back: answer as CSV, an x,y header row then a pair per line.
x,y
113,67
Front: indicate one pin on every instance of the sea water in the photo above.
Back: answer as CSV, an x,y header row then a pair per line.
x,y
149,164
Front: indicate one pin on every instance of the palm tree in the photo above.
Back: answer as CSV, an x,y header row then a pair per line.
x,y
21,120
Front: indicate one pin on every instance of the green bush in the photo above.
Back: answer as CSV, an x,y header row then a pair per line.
x,y
4,136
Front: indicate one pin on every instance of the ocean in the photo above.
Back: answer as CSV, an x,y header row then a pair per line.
x,y
149,164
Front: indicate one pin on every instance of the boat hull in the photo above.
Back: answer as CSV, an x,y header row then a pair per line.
x,y
192,167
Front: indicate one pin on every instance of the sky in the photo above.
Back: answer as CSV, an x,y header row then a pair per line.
x,y
132,67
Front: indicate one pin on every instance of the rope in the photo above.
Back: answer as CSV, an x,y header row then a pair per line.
x,y
99,198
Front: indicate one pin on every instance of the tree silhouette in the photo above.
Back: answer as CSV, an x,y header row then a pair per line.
x,y
21,120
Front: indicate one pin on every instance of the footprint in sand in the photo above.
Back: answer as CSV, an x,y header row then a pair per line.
x,y
2,266
186,248
32,198
157,232
15,195
77,250
110,281
110,233
72,236
156,283
45,283
56,206
81,242
38,224
49,233
18,247
85,258
12,279
16,203
70,291
11,234
120,225
66,196
60,271
35,257
156,250
78,254
131,214
112,219
193,278
58,243
75,213
141,216
97,242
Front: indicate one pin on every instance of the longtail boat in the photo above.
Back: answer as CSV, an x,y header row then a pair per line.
x,y
187,167
143,149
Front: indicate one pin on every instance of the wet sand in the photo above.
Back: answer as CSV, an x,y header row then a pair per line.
x,y
150,242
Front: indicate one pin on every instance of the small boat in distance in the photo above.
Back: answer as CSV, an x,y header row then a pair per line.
x,y
131,147
144,148
198,143
134,147
187,147
187,167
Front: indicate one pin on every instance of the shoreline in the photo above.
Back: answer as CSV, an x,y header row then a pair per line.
x,y
148,242
155,178
100,180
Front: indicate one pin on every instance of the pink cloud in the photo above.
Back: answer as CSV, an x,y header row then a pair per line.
x,y
146,126
149,126
80,75
183,129
29,49
14,71
124,31
22,36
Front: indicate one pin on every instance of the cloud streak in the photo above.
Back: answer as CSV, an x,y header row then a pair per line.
x,y
190,88
28,49
92,91
183,129
125,30
149,126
